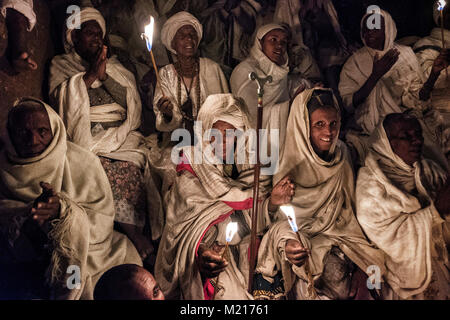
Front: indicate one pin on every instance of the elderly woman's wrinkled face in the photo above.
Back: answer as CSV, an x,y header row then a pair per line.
x,y
324,124
227,143
88,41
406,140
185,41
30,132
274,45
374,38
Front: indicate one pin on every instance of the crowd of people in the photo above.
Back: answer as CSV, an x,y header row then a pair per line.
x,y
121,183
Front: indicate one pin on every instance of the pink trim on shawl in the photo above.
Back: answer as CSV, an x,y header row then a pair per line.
x,y
208,289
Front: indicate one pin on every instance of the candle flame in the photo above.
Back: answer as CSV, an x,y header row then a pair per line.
x,y
290,214
441,5
231,231
148,33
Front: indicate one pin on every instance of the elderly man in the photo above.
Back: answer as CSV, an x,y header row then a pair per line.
x,y
206,197
100,106
56,205
402,204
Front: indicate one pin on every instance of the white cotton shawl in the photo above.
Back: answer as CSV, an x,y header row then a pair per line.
x,y
323,204
83,234
70,96
194,203
409,233
276,94
397,90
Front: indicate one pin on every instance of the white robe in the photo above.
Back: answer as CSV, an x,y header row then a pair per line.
x,y
212,81
408,229
83,234
70,95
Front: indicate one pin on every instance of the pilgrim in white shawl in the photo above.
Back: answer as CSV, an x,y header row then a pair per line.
x,y
97,99
56,209
332,242
402,203
268,57
187,82
433,60
206,196
385,77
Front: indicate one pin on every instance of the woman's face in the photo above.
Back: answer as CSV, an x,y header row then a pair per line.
x,y
374,38
324,129
227,143
274,45
185,41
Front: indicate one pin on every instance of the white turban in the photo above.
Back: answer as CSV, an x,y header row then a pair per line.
x,y
390,32
174,23
86,14
265,29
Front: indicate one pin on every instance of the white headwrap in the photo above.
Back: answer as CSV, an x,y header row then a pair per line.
x,y
86,14
390,33
174,23
265,29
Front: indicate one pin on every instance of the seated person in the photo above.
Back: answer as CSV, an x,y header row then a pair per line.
x,y
127,282
187,82
402,205
101,109
434,60
381,78
332,241
205,197
268,57
56,205
20,20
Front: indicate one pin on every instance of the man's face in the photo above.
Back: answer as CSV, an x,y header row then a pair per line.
x,y
274,45
88,41
227,143
406,140
30,133
185,41
324,128
374,38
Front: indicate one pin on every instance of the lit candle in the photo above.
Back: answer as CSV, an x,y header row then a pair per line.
x,y
290,214
229,234
148,37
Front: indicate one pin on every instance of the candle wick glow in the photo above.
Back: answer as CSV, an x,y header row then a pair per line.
x,y
441,5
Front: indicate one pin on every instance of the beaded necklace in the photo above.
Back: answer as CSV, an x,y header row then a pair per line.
x,y
187,108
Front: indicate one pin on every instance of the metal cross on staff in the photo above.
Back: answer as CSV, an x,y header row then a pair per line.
x,y
253,252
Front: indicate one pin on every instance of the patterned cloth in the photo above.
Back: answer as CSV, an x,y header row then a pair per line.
x,y
127,184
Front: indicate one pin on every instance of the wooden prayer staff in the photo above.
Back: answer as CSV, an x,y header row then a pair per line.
x,y
441,6
229,233
253,252
290,214
148,37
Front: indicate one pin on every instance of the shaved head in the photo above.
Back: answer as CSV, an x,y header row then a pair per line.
x,y
127,282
